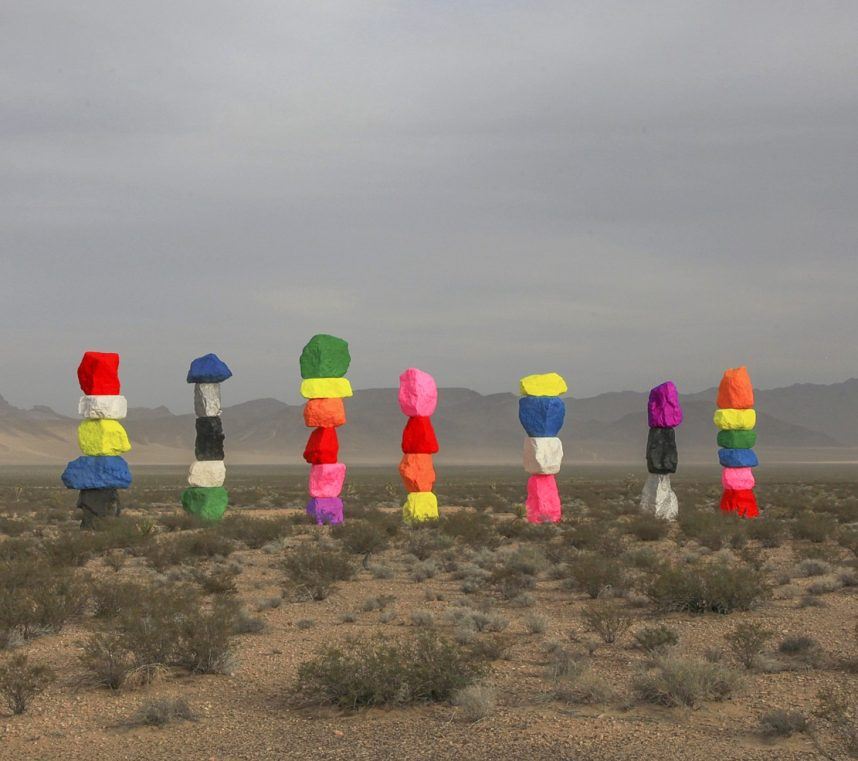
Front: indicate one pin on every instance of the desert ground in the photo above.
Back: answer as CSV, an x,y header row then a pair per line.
x,y
608,636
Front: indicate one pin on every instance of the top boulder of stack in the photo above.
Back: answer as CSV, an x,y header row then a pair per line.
x,y
208,369
98,373
545,384
663,409
418,393
325,356
735,391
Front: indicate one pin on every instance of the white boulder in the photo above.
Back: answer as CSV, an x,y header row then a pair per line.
x,y
207,473
207,399
105,407
658,498
542,455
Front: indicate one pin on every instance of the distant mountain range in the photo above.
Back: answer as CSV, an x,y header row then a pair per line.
x,y
800,423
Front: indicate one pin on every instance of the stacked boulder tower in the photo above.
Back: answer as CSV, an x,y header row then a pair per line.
x,y
324,362
736,420
418,398
664,414
206,496
541,411
101,470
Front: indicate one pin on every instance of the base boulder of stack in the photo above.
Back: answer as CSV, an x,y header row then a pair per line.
x,y
97,503
543,500
658,497
207,503
326,510
420,506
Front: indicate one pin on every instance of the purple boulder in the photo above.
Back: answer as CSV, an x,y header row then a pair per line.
x,y
326,510
663,408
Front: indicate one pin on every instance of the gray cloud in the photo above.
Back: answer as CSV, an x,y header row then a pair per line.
x,y
620,191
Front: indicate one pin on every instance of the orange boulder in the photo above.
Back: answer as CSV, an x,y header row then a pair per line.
x,y
324,413
735,391
417,472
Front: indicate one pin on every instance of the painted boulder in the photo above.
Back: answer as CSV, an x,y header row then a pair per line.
x,y
98,373
541,416
418,393
663,408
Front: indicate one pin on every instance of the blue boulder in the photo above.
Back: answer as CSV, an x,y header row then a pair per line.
x,y
208,369
541,415
738,458
89,472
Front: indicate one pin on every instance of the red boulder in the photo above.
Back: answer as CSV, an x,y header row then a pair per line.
x,y
741,501
322,447
419,437
98,373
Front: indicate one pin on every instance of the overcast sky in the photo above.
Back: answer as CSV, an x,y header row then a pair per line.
x,y
622,192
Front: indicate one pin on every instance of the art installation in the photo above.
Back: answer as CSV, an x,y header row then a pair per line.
x,y
418,398
541,412
736,419
101,470
664,414
205,496
324,362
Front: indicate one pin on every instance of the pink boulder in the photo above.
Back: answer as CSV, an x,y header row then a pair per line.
x,y
737,479
543,500
418,393
326,480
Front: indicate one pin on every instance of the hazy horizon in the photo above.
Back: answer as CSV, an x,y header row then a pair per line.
x,y
619,192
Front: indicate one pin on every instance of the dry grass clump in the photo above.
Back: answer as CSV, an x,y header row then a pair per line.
x,y
594,573
475,702
780,723
680,681
655,640
160,713
381,671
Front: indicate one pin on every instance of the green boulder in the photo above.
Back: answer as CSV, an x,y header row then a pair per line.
x,y
737,439
206,502
325,356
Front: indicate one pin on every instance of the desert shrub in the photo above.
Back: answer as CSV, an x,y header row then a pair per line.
x,y
510,581
21,681
361,537
607,619
711,529
768,532
167,627
180,521
36,598
534,624
312,569
837,711
472,528
424,540
380,671
655,639
648,528
109,598
848,538
594,573
824,586
377,603
159,713
717,587
812,567
220,580
747,641
676,681
186,547
253,532
594,536
422,617
813,527
780,723
797,644
493,646
475,702
582,686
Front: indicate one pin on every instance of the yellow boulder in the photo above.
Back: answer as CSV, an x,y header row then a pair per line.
x,y
735,420
98,437
420,506
546,384
326,388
